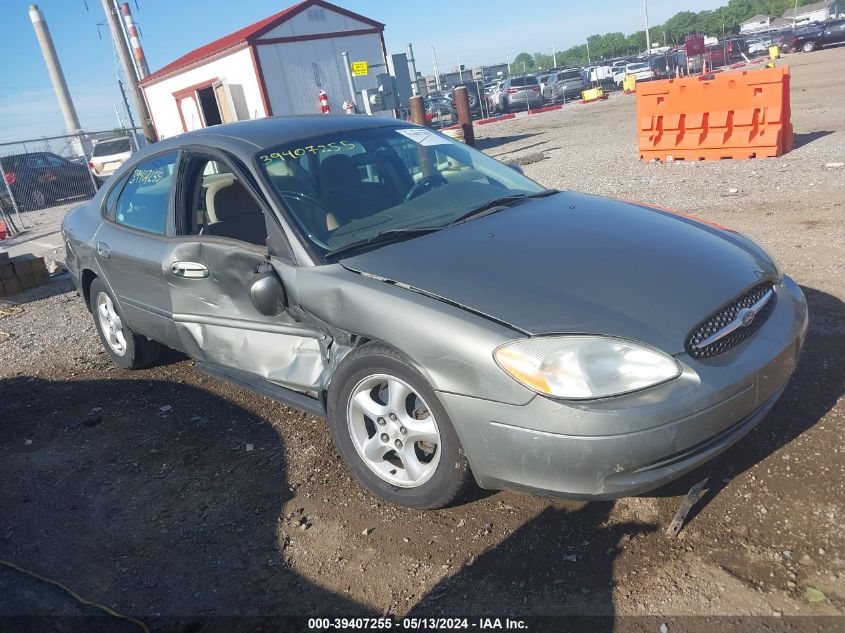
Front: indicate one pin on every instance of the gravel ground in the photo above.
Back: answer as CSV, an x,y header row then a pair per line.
x,y
184,496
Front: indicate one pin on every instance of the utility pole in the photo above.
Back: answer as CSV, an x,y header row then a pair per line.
x,y
647,35
129,70
588,51
57,77
554,56
508,57
794,14
436,72
412,66
460,70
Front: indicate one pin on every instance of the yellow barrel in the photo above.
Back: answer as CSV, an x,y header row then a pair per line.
x,y
592,93
774,52
629,84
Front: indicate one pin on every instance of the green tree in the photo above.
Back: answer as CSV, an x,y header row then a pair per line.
x,y
523,61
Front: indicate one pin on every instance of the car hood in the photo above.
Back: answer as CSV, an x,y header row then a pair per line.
x,y
575,263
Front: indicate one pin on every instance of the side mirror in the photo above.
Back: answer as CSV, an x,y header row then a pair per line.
x,y
516,168
267,292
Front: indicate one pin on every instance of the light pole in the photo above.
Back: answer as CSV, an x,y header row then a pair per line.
x,y
647,35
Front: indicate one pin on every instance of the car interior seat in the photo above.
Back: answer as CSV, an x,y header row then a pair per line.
x,y
345,196
234,213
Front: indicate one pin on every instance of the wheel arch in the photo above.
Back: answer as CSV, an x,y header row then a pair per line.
x,y
86,279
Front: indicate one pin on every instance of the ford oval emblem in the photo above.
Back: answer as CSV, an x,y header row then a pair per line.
x,y
747,317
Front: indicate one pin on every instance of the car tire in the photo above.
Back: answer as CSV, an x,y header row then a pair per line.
x,y
809,47
406,474
37,200
126,348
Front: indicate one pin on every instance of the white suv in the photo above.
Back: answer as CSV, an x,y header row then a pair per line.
x,y
108,155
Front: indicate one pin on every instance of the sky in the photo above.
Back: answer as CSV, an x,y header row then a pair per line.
x,y
469,31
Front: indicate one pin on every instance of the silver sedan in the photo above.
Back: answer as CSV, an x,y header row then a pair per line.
x,y
454,321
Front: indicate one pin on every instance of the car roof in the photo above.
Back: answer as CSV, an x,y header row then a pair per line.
x,y
257,134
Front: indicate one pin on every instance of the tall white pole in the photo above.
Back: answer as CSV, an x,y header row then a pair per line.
x,y
436,72
554,56
57,77
647,34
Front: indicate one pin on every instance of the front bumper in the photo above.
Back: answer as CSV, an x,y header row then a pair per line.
x,y
630,444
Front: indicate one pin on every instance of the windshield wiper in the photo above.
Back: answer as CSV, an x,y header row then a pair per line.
x,y
497,204
383,237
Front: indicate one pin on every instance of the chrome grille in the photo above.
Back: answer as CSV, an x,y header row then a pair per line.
x,y
725,316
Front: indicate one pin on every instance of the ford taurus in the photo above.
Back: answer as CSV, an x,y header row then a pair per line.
x,y
453,320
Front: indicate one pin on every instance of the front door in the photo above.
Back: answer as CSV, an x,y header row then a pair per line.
x,y
210,266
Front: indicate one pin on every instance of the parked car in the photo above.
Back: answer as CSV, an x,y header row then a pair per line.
x,y
567,84
520,93
439,112
40,179
825,34
108,155
641,70
544,79
374,273
473,96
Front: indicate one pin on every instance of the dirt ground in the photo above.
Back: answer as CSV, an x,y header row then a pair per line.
x,y
167,493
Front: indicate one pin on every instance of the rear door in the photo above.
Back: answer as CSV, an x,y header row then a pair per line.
x,y
134,240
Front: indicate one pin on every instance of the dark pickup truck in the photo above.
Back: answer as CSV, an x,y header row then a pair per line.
x,y
826,34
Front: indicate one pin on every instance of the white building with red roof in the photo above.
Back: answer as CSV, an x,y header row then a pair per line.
x,y
277,66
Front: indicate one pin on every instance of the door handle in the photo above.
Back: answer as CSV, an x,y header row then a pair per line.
x,y
103,250
189,270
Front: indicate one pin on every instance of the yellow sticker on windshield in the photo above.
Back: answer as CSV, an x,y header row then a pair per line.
x,y
295,153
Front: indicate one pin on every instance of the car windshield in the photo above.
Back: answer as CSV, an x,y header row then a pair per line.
x,y
637,67
352,186
108,148
569,74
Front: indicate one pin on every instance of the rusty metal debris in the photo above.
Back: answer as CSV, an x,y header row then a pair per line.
x,y
695,493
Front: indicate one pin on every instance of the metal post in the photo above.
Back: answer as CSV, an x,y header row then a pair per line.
x,y
554,56
417,110
349,78
647,34
57,77
128,114
464,115
129,70
412,66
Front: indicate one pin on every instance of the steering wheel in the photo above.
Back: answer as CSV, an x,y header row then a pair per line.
x,y
425,185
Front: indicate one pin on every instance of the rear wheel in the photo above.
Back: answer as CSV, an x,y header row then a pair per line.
x,y
126,348
393,433
37,199
809,47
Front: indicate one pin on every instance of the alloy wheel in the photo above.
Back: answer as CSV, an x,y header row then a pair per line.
x,y
111,324
393,430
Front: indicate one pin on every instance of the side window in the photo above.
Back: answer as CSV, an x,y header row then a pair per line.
x,y
144,200
108,205
215,202
54,161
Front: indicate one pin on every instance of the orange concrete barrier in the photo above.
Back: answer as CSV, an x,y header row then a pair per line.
x,y
730,115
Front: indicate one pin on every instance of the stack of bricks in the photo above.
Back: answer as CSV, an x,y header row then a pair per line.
x,y
20,273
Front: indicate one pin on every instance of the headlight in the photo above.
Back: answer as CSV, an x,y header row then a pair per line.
x,y
581,367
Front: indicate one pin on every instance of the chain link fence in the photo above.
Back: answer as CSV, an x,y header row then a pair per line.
x,y
44,172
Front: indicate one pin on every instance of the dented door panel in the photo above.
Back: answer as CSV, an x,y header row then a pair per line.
x,y
217,323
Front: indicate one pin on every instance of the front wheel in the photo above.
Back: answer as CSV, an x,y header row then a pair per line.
x,y
392,432
808,47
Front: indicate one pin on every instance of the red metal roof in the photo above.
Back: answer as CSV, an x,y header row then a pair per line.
x,y
246,36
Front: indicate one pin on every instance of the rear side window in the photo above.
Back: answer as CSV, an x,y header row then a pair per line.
x,y
109,148
144,200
